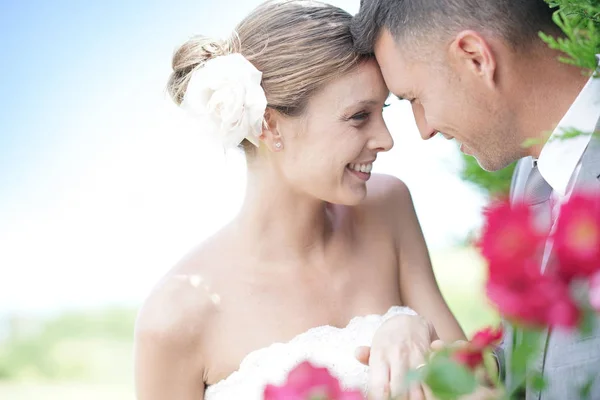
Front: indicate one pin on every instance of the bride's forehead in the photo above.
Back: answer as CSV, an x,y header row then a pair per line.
x,y
364,84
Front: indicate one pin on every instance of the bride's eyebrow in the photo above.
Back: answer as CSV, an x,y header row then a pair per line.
x,y
362,103
368,102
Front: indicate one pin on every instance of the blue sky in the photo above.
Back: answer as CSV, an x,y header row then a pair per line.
x,y
104,184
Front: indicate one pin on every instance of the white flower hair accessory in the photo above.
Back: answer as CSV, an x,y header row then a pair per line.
x,y
225,94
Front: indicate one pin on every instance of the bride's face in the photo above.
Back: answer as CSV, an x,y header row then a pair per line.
x,y
329,151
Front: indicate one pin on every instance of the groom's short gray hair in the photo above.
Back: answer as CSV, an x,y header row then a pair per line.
x,y
516,21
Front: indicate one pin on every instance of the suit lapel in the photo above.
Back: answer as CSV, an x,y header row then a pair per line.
x,y
588,180
589,176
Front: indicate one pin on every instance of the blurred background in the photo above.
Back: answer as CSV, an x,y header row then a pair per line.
x,y
104,185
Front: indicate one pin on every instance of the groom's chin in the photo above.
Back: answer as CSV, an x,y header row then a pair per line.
x,y
489,165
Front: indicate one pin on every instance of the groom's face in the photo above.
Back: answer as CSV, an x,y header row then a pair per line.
x,y
449,97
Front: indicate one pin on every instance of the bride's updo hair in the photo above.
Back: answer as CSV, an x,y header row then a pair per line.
x,y
298,45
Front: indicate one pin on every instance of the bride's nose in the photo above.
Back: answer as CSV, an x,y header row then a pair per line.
x,y
382,139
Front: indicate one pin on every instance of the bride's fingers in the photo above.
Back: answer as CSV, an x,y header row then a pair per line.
x,y
398,370
362,354
458,344
379,378
416,391
437,345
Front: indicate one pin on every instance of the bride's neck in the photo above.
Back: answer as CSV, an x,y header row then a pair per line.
x,y
281,222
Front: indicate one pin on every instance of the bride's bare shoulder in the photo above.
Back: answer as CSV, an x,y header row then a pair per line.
x,y
387,192
170,352
180,306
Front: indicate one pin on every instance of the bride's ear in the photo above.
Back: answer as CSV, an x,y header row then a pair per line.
x,y
271,135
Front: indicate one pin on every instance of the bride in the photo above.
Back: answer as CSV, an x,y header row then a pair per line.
x,y
322,252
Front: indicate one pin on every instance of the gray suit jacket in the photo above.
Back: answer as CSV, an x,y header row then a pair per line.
x,y
568,360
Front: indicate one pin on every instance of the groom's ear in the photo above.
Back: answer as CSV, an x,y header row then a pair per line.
x,y
470,50
271,135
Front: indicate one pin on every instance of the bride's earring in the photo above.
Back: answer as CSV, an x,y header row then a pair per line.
x,y
278,145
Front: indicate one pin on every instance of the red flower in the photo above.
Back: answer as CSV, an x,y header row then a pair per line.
x,y
595,291
513,246
487,337
535,300
509,235
471,355
577,237
307,382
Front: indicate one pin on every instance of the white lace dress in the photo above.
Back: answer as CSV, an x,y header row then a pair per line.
x,y
325,346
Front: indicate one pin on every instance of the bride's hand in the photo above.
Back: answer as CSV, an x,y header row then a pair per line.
x,y
401,343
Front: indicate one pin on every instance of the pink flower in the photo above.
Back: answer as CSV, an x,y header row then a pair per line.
x,y
535,300
513,246
487,337
595,291
577,237
509,235
471,355
307,382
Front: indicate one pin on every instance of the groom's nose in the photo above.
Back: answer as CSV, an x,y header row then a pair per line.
x,y
426,131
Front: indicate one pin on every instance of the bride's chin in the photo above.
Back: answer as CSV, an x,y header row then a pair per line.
x,y
353,196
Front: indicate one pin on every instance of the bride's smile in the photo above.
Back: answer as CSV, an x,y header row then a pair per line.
x,y
361,169
323,251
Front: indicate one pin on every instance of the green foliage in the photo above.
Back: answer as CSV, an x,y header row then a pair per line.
x,y
580,23
73,345
538,382
586,389
447,379
525,350
588,321
461,274
495,183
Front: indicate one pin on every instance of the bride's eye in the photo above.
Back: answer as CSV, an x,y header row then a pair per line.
x,y
361,116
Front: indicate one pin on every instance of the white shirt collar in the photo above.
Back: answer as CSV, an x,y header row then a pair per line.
x,y
559,158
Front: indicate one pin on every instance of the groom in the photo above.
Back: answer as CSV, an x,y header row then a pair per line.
x,y
477,72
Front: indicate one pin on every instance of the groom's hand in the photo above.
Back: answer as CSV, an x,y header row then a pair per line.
x,y
402,343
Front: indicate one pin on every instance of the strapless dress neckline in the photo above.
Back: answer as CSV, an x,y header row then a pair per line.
x,y
325,346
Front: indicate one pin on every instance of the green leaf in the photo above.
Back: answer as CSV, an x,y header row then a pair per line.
x,y
579,21
530,142
413,376
570,134
588,321
525,350
491,367
586,389
495,183
447,379
537,382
